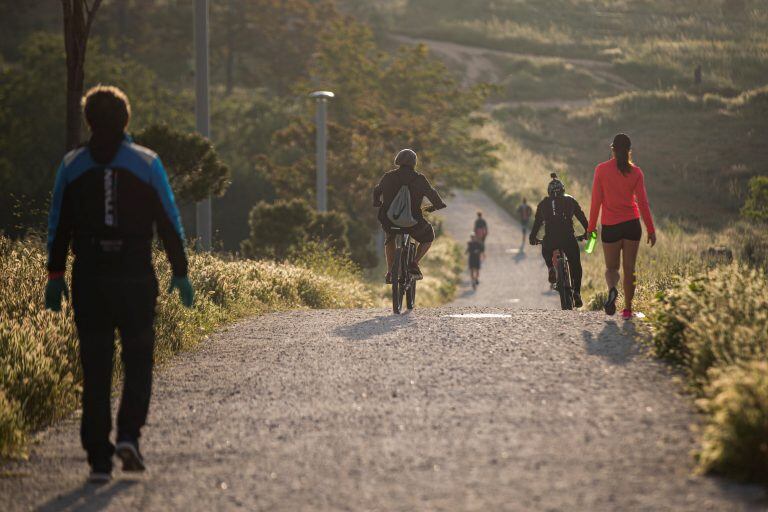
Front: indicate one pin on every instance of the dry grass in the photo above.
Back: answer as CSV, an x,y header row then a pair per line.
x,y
39,371
714,325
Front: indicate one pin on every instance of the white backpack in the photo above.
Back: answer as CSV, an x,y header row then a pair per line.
x,y
399,212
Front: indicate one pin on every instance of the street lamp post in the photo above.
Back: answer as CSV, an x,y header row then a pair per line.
x,y
322,98
202,113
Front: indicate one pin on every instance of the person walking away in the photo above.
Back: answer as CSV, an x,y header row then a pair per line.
x,y
109,196
418,187
556,213
619,191
524,211
476,251
481,227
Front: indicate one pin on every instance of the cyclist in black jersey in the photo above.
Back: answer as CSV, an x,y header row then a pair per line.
x,y
556,212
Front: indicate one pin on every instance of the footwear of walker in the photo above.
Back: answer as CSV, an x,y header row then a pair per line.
x,y
101,472
128,451
388,278
415,271
552,275
610,304
99,477
577,302
626,314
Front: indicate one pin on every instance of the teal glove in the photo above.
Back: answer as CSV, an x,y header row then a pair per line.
x,y
54,290
186,293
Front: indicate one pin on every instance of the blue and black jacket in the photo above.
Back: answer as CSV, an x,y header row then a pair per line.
x,y
106,203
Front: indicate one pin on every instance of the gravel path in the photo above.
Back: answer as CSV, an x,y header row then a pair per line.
x,y
533,409
514,274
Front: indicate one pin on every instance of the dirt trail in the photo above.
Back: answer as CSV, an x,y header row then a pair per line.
x,y
480,68
533,409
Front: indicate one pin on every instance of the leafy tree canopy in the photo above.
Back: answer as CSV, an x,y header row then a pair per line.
x,y
194,168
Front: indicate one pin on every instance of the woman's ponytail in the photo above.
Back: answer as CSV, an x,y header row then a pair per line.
x,y
622,151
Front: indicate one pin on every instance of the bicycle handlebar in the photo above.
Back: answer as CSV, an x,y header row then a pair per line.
x,y
580,238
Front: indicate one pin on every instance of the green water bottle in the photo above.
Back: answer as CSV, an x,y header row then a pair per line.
x,y
591,242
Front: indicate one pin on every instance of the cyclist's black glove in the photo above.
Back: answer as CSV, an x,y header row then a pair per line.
x,y
532,240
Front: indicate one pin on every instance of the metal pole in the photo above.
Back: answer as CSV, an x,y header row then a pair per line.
x,y
202,113
322,153
322,98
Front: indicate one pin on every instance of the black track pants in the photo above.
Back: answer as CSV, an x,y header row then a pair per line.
x,y
103,304
571,248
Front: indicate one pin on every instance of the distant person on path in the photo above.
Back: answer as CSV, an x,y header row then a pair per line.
x,y
619,190
476,252
109,196
481,227
385,192
556,212
524,211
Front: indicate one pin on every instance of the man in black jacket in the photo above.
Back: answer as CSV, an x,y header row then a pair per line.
x,y
556,212
109,197
419,187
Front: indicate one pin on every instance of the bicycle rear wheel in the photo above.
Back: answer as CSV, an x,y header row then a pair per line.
x,y
564,285
410,296
397,288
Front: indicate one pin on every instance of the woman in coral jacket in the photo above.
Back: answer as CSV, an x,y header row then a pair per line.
x,y
619,189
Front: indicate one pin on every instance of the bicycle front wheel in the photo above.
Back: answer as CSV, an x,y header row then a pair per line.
x,y
410,297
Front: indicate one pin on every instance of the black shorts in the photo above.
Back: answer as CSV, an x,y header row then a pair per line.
x,y
421,232
474,263
630,230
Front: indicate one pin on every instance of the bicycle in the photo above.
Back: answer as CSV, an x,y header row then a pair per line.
x,y
564,284
403,282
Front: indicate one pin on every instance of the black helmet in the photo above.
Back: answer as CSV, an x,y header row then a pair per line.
x,y
407,158
556,187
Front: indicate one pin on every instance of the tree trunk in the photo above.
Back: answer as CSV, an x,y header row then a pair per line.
x,y
78,17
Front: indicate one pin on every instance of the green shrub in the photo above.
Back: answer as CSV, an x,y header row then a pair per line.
x,y
283,227
735,441
756,205
715,319
39,369
193,165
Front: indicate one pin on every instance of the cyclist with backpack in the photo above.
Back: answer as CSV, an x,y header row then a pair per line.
x,y
399,195
556,212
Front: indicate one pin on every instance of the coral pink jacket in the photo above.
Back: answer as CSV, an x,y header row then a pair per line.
x,y
622,198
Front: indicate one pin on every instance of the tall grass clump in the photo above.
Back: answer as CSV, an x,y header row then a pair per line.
x,y
39,371
714,326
